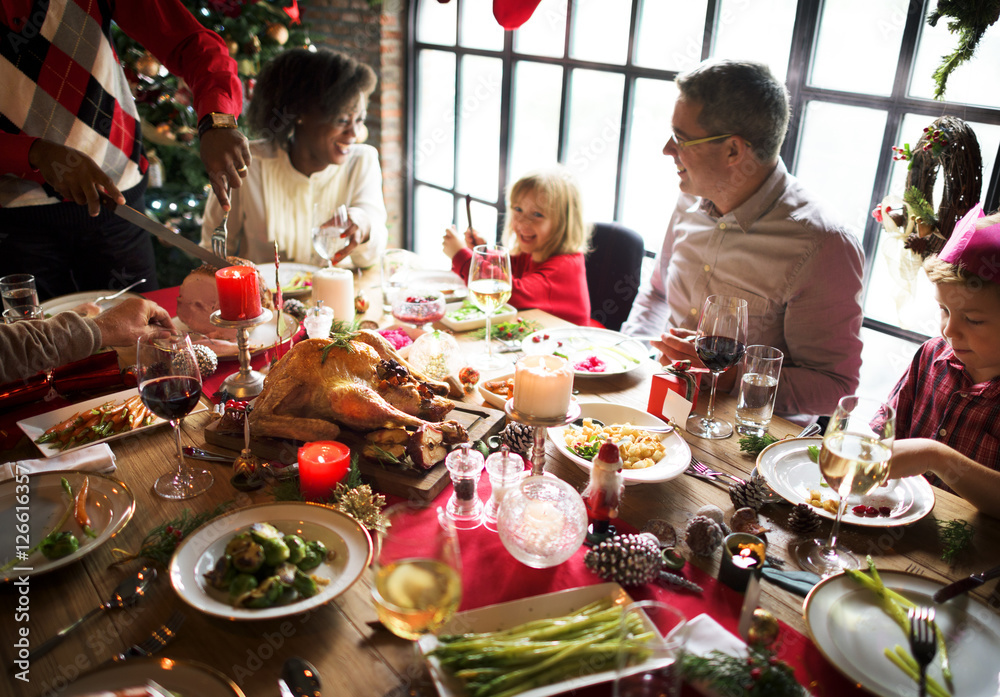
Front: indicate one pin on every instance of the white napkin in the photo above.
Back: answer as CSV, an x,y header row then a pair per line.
x,y
94,458
706,635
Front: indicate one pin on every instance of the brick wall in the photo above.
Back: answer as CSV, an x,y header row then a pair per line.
x,y
374,36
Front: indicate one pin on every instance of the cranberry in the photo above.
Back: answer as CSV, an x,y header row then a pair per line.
x,y
871,512
755,673
558,343
859,510
884,511
545,336
536,339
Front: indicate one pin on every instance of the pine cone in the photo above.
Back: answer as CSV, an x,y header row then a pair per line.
x,y
627,559
518,437
753,494
703,536
208,362
296,308
803,519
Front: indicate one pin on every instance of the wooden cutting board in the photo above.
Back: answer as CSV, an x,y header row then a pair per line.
x,y
480,422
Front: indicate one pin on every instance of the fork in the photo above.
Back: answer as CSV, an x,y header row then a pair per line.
x,y
705,471
220,234
160,637
124,290
923,640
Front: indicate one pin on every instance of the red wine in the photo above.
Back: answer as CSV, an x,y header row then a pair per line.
x,y
719,352
171,397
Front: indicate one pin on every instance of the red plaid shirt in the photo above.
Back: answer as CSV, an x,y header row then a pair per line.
x,y
937,399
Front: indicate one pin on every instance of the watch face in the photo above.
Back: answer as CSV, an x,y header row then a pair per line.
x,y
223,120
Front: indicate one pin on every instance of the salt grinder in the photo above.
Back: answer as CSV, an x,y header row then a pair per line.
x,y
505,469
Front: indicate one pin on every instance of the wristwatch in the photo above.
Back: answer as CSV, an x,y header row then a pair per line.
x,y
215,120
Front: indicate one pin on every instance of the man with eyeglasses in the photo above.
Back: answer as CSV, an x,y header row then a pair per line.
x,y
744,226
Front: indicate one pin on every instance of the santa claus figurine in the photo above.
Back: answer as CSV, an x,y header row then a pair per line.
x,y
604,491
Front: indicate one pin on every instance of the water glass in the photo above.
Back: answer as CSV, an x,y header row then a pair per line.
x,y
396,264
23,313
659,675
758,388
327,231
18,291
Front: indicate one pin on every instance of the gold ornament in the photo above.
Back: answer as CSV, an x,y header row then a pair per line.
x,y
253,46
360,303
233,47
147,65
764,628
278,33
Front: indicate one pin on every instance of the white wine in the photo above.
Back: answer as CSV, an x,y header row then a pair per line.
x,y
857,462
416,596
489,294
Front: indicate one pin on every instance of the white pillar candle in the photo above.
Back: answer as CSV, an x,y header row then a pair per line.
x,y
335,288
543,386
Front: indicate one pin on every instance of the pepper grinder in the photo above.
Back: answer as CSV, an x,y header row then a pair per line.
x,y
464,507
505,469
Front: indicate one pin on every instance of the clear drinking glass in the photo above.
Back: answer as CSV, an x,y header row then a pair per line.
x,y
395,266
758,388
19,293
170,386
489,288
720,343
418,571
327,231
658,675
854,460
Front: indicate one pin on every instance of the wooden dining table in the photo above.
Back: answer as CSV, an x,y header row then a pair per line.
x,y
354,655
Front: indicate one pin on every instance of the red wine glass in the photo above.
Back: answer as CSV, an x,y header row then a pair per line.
x,y
720,344
170,387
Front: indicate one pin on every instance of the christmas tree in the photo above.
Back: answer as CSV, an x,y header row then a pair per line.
x,y
178,186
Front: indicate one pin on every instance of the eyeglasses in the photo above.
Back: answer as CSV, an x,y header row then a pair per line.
x,y
684,144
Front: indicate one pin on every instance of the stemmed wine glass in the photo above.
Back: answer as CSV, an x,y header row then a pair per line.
x,y
170,386
720,344
418,581
489,289
326,234
854,459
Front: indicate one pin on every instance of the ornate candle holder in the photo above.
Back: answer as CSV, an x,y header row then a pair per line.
x,y
246,383
540,424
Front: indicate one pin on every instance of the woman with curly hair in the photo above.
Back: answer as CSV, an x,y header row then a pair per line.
x,y
308,111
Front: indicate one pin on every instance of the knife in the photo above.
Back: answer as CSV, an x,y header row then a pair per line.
x,y
175,239
965,585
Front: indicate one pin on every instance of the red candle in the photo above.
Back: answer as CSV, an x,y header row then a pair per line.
x,y
322,464
239,295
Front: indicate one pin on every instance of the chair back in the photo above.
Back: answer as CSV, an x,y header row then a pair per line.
x,y
614,267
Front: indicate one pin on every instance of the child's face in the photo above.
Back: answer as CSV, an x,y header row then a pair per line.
x,y
970,321
531,224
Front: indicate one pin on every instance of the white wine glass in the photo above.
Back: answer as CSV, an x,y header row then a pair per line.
x,y
326,232
170,387
489,289
720,344
854,460
418,572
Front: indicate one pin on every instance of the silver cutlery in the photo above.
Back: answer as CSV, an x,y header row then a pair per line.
x,y
299,679
923,641
160,637
220,234
965,585
130,286
127,594
706,471
199,454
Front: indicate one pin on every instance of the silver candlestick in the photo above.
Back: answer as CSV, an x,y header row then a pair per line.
x,y
540,424
246,383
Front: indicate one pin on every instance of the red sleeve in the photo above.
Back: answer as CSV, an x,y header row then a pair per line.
x,y
187,49
14,156
461,262
558,286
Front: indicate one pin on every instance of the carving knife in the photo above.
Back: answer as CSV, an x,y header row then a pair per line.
x,y
174,239
965,585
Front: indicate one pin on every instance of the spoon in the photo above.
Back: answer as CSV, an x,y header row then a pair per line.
x,y
129,287
299,679
125,595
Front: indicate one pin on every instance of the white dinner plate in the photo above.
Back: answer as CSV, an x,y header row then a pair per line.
x,y
179,676
467,324
619,353
849,627
505,615
673,464
263,337
788,470
54,306
449,283
287,271
110,506
198,553
35,426
492,398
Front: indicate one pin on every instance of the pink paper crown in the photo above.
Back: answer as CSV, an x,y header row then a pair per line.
x,y
976,250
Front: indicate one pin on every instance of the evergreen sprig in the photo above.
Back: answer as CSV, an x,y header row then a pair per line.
x,y
971,20
754,444
919,206
160,543
956,536
759,674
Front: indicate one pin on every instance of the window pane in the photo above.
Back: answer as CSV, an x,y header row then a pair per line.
x,y
545,33
650,179
434,150
479,28
871,70
670,34
600,31
479,126
884,359
898,290
759,31
436,22
535,125
968,84
595,112
842,176
433,211
484,217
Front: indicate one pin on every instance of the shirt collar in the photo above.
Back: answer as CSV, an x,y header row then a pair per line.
x,y
947,355
759,203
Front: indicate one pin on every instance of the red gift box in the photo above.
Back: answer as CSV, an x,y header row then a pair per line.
x,y
678,377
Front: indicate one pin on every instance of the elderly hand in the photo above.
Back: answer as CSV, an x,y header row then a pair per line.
x,y
226,155
124,323
74,175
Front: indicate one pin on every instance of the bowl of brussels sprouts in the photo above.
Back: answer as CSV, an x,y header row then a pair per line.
x,y
270,560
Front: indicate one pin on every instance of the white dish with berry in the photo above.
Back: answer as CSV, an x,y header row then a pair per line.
x,y
592,352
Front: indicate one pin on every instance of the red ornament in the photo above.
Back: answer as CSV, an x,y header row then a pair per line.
x,y
293,12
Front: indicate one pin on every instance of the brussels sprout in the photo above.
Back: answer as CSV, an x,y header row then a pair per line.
x,y
60,544
286,572
222,575
296,548
288,596
237,543
265,594
241,585
275,551
315,554
264,531
305,585
246,555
